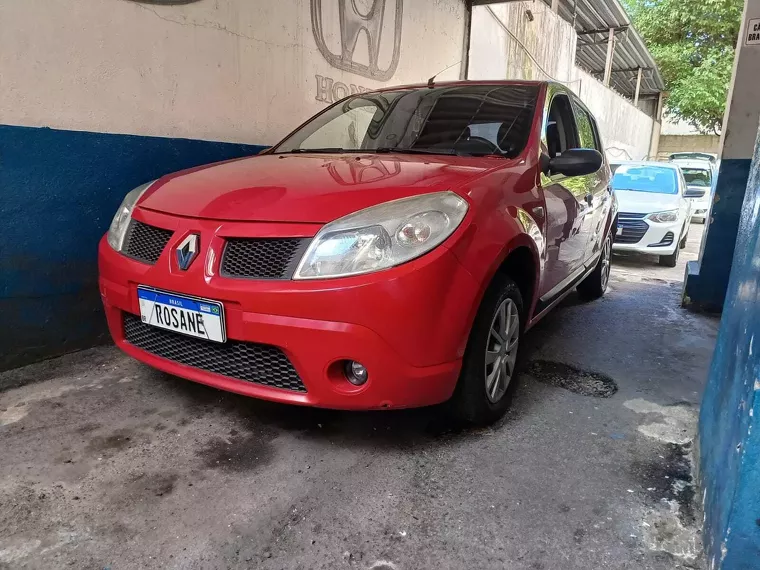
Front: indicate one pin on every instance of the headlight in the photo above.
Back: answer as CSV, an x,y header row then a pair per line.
x,y
382,236
664,217
121,220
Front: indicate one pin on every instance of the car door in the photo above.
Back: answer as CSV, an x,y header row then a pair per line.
x,y
598,189
567,224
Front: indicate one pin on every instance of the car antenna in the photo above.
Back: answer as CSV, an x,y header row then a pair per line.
x,y
431,81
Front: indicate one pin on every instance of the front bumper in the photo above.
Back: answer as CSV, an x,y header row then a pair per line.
x,y
408,325
644,236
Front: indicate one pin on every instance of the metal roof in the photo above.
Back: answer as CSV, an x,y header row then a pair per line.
x,y
592,20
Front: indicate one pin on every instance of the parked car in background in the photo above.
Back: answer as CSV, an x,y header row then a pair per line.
x,y
699,177
711,158
654,210
388,253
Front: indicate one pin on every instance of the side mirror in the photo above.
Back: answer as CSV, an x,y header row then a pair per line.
x,y
576,162
694,193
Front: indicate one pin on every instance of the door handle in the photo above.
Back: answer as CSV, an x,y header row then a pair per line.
x,y
590,199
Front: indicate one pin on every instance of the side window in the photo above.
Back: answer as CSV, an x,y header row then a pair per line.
x,y
585,128
561,133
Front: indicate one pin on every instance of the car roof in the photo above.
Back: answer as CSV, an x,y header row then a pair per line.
x,y
693,163
670,165
469,82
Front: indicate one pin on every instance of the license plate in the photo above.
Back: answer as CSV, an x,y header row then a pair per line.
x,y
619,231
187,315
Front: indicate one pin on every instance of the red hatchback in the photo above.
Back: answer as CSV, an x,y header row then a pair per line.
x,y
389,253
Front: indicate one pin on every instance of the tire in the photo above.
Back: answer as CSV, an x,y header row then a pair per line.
x,y
471,402
670,260
594,286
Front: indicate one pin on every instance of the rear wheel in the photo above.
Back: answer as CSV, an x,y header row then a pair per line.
x,y
488,378
594,286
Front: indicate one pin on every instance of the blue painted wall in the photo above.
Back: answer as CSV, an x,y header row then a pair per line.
x,y
707,279
729,434
58,192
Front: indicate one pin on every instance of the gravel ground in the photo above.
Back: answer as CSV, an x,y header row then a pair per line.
x,y
109,464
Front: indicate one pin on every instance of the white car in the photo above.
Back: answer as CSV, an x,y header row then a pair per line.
x,y
699,176
654,211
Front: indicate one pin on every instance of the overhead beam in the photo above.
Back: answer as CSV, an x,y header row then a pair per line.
x,y
602,31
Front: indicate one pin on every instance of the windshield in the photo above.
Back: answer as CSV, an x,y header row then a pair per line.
x,y
697,177
474,120
645,179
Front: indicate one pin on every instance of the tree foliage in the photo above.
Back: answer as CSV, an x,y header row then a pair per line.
x,y
693,43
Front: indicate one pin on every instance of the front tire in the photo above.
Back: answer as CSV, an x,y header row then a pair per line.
x,y
594,286
670,260
488,378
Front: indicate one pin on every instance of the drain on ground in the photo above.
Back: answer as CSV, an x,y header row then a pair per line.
x,y
572,378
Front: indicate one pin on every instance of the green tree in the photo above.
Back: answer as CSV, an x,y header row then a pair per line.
x,y
693,43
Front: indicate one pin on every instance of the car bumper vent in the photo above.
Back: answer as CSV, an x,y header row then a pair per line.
x,y
262,258
251,362
665,241
145,243
634,227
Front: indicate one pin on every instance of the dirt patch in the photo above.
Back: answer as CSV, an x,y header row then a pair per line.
x,y
238,453
669,477
571,378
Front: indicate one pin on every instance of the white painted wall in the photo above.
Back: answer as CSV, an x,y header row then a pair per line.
x,y
228,70
545,49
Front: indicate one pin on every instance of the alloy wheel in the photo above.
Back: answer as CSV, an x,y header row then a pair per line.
x,y
501,350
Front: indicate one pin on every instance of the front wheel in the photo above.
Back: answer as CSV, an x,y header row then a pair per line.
x,y
594,286
488,378
670,260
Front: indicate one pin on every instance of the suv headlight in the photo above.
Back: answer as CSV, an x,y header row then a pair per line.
x,y
382,236
120,222
664,217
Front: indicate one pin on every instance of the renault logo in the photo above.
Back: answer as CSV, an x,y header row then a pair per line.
x,y
374,23
187,251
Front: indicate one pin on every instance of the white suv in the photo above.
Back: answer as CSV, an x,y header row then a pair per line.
x,y
654,210
699,176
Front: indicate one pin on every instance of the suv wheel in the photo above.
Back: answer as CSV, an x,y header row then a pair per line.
x,y
488,378
594,286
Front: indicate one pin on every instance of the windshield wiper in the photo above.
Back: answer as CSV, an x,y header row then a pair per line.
x,y
389,149
312,150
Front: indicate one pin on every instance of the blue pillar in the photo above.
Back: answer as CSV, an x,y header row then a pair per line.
x,y
707,279
729,424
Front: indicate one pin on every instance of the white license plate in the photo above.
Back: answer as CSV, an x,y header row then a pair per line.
x,y
187,315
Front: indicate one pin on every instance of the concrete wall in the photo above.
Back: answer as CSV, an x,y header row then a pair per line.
x,y
687,143
99,96
507,44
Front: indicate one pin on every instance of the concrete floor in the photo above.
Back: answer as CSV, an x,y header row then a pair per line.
x,y
108,464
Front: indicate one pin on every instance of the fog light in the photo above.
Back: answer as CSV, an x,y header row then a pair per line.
x,y
356,373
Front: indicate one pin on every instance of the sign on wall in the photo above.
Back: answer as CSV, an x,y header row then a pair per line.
x,y
753,32
377,28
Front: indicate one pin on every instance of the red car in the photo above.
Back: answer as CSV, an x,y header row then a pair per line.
x,y
388,253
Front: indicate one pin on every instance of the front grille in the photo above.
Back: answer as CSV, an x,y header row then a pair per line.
x,y
634,227
262,258
257,363
145,243
665,241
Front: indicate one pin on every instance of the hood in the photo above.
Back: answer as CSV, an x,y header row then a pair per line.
x,y
646,202
316,188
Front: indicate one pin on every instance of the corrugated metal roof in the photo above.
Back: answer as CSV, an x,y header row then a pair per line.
x,y
630,52
599,16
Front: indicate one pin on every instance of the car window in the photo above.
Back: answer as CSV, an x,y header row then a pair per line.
x,y
586,132
645,178
473,120
560,127
697,177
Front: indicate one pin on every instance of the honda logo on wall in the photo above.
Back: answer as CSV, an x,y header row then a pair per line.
x,y
380,20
